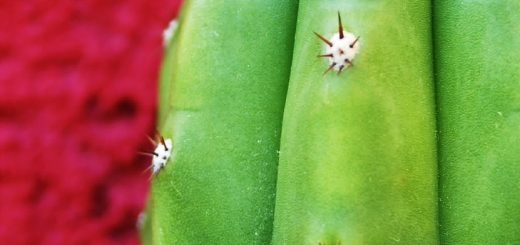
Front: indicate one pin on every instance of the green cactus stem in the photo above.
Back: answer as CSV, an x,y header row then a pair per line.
x,y
477,57
222,100
358,149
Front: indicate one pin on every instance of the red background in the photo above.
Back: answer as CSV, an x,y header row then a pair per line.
x,y
78,83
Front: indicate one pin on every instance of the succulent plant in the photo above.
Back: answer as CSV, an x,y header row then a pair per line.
x,y
222,99
357,161
269,148
477,61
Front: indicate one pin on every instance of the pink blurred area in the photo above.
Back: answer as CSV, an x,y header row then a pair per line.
x,y
78,88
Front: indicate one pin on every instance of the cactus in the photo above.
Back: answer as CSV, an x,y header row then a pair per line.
x,y
357,148
477,54
358,160
222,104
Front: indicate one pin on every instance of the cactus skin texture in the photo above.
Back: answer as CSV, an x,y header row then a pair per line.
x,y
222,100
477,59
358,150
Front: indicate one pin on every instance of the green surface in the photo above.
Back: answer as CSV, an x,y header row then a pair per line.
x,y
478,81
358,151
222,97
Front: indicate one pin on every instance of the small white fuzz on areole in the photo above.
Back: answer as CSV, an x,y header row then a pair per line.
x,y
141,219
343,53
341,49
169,32
161,155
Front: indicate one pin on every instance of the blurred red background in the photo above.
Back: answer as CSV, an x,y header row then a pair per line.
x,y
78,83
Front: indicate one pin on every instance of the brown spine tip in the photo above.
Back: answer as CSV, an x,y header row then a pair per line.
x,y
151,140
354,43
340,69
340,27
323,39
330,68
349,62
325,55
163,143
147,169
149,154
